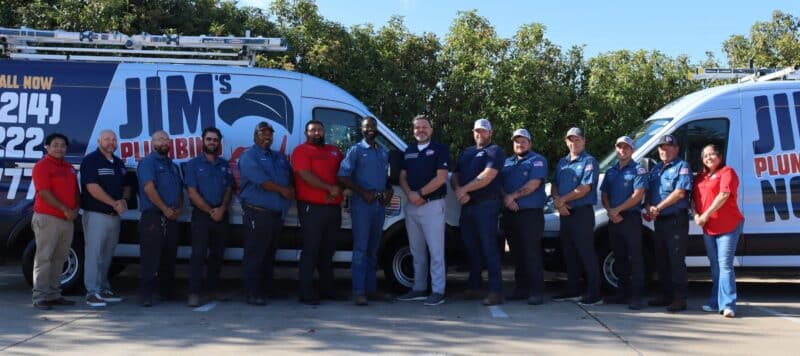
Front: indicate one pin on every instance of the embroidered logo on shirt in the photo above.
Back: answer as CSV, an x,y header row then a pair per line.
x,y
642,170
412,155
684,171
589,167
429,153
105,172
538,164
480,154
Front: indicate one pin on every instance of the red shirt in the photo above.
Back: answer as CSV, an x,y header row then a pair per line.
x,y
706,189
323,161
58,177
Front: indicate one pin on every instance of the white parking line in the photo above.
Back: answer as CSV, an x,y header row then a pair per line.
x,y
205,307
783,316
498,312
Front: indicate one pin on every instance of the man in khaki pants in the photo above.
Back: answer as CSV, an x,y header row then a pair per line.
x,y
55,208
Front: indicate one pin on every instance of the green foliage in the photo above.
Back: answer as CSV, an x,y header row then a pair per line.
x,y
526,81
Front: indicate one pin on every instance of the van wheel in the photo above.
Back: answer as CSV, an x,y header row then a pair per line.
x,y
607,266
398,264
72,273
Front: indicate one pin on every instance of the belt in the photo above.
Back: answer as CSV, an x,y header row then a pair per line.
x,y
434,196
678,212
258,208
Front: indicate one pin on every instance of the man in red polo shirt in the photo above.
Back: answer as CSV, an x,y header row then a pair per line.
x,y
54,210
315,165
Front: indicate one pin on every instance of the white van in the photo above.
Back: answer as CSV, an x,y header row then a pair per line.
x,y
81,98
757,126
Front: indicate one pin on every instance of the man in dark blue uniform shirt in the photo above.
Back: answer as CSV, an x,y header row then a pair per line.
x,y
266,192
574,192
479,193
670,183
160,202
523,176
208,182
364,171
423,177
622,192
103,197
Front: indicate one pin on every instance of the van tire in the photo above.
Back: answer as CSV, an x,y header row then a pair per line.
x,y
397,263
71,276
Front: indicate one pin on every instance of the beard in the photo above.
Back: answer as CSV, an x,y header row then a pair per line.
x,y
209,150
162,150
317,141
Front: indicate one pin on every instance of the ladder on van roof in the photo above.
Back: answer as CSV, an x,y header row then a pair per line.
x,y
25,43
745,75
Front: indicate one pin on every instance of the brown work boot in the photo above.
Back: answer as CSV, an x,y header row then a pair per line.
x,y
677,305
493,299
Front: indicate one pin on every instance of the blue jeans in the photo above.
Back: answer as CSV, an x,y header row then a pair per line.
x,y
721,249
367,220
478,224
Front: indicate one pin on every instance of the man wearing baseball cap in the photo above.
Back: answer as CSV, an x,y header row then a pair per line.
x,y
479,193
622,191
574,194
523,176
667,202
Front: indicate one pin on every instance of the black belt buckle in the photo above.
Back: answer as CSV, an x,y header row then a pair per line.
x,y
432,197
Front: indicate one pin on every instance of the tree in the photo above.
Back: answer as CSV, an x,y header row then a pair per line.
x,y
772,44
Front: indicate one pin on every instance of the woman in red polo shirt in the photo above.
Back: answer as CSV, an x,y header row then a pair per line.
x,y
715,210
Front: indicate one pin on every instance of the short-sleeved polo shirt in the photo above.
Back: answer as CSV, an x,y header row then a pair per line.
x,y
257,166
210,179
108,174
421,165
518,171
572,173
324,162
706,189
472,162
165,176
58,177
664,179
620,183
367,166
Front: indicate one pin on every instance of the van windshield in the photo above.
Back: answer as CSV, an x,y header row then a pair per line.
x,y
640,136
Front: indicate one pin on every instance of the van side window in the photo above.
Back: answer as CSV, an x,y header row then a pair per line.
x,y
341,126
697,134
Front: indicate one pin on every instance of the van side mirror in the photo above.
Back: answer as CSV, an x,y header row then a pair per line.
x,y
395,159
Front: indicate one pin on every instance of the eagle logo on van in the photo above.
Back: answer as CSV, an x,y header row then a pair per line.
x,y
260,101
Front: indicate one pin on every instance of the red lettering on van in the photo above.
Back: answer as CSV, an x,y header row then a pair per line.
x,y
760,165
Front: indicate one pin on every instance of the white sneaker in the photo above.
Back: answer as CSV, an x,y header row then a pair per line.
x,y
709,309
94,301
728,313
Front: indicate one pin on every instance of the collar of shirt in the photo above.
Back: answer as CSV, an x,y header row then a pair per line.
x,y
56,161
518,159
159,157
364,144
569,159
621,167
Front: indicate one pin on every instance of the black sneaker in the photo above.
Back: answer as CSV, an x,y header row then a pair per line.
x,y
566,297
493,299
434,299
109,297
93,300
412,295
590,301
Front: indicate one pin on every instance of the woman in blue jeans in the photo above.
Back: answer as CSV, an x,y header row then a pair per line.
x,y
715,198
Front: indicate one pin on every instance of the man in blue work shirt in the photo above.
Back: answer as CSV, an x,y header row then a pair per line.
x,y
574,192
160,203
266,192
479,193
423,177
208,182
364,171
523,176
668,202
622,192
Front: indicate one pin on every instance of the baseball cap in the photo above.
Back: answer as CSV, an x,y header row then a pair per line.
x,y
482,124
574,132
521,132
667,140
264,125
625,139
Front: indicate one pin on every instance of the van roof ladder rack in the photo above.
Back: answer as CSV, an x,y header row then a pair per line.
x,y
25,43
745,75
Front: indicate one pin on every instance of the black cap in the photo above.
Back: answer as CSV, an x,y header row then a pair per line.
x,y
667,140
264,125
